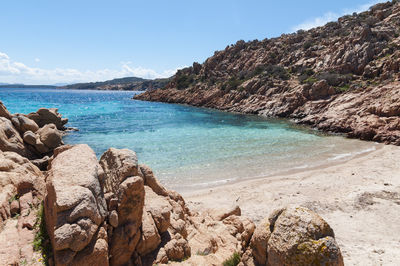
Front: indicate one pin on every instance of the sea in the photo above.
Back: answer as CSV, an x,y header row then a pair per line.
x,y
188,148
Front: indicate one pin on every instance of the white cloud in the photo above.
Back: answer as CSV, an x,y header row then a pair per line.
x,y
37,60
17,72
332,16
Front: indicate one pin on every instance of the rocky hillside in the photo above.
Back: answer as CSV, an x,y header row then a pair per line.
x,y
83,211
342,77
125,84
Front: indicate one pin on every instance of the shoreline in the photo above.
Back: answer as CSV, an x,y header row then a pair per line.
x,y
360,199
278,175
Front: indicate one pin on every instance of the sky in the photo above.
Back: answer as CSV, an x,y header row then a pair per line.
x,y
69,41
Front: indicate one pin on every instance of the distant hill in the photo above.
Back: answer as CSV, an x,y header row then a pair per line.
x,y
126,84
12,86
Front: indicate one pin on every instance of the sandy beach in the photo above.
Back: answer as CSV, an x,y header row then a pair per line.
x,y
359,198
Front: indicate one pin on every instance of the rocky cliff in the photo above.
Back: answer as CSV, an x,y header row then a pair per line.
x,y
113,211
342,77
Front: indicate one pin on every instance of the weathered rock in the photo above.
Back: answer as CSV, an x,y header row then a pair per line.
x,y
19,175
126,189
150,238
61,149
42,163
159,208
40,147
10,140
259,242
75,206
18,179
14,207
301,237
4,112
30,137
16,244
23,123
117,166
126,235
220,214
177,249
26,203
319,89
151,181
45,116
96,253
50,136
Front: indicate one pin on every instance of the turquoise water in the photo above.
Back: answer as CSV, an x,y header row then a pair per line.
x,y
187,147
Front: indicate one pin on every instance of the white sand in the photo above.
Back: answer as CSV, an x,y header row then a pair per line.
x,y
359,198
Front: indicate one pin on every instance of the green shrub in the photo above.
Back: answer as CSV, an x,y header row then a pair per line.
x,y
183,81
335,79
305,73
344,88
271,70
14,197
41,242
231,84
307,44
310,80
233,260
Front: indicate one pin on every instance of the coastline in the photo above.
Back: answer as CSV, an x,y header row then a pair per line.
x,y
360,199
237,180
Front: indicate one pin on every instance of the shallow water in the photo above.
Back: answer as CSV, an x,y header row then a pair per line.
x,y
187,147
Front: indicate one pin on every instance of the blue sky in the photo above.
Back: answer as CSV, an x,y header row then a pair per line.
x,y
47,42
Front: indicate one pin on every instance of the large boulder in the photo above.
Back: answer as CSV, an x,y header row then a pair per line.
x,y
118,164
150,238
259,242
159,209
75,207
50,136
45,116
29,137
23,123
125,197
295,236
10,139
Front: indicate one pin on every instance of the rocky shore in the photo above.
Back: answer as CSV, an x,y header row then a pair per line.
x,y
83,211
342,77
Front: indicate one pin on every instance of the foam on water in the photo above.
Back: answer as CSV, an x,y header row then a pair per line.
x,y
187,147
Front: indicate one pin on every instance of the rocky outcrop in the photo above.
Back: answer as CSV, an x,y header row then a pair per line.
x,y
10,139
124,191
116,212
342,77
75,207
25,148
45,116
34,136
294,236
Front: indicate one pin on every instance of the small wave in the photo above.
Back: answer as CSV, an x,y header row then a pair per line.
x,y
351,154
211,183
304,166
